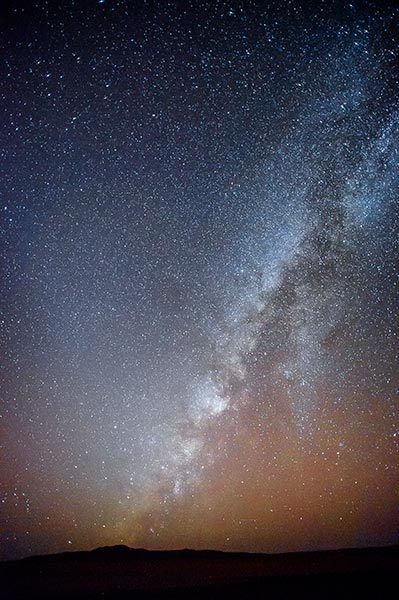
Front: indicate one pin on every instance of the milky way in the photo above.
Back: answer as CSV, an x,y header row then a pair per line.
x,y
199,231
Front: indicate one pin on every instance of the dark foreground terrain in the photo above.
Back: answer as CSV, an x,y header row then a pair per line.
x,y
122,573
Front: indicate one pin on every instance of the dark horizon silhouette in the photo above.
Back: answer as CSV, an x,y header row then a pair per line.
x,y
123,572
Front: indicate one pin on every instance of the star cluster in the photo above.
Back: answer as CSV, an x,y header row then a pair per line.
x,y
199,291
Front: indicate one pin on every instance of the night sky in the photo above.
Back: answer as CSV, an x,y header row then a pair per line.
x,y
198,288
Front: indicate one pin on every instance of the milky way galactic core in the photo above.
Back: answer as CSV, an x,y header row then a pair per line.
x,y
199,233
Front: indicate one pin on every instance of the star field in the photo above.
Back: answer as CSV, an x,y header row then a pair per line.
x,y
199,289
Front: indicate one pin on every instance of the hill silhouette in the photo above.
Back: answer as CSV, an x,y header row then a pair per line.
x,y
122,572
